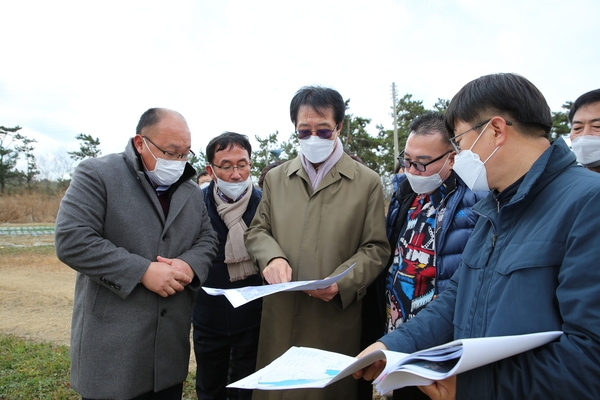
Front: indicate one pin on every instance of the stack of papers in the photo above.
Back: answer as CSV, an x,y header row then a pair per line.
x,y
305,367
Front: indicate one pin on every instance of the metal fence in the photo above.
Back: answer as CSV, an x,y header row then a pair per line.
x,y
26,230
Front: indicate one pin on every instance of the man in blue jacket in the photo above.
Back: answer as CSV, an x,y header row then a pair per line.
x,y
428,223
530,263
226,338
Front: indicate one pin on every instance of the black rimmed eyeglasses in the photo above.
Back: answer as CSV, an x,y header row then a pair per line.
x,y
170,154
421,167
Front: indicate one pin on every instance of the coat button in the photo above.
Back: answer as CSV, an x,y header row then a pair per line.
x,y
163,313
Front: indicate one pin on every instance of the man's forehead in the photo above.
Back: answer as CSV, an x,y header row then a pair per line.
x,y
424,145
307,110
587,112
232,152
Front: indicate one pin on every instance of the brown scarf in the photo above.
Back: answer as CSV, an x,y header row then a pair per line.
x,y
239,264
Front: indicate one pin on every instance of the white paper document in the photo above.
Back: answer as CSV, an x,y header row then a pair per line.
x,y
305,367
241,296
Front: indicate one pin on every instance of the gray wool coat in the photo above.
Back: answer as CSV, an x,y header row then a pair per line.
x,y
125,339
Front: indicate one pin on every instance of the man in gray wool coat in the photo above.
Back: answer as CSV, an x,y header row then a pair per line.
x,y
136,230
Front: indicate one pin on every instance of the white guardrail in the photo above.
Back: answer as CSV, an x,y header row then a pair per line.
x,y
26,230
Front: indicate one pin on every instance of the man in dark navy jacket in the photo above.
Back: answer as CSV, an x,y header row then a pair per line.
x,y
226,338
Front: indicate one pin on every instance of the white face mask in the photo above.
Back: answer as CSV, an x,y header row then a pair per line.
x,y
315,149
166,172
425,184
469,167
587,150
204,185
233,190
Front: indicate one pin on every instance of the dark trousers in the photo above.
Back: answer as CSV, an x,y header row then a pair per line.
x,y
223,359
373,326
409,393
171,393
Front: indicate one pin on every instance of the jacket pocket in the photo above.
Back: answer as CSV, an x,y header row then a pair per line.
x,y
518,284
519,256
101,300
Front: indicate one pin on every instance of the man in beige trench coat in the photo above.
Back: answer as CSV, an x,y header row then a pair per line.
x,y
320,213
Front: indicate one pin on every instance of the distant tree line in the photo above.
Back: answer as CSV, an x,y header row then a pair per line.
x,y
376,151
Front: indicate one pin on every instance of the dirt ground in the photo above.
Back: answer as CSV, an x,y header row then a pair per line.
x,y
36,296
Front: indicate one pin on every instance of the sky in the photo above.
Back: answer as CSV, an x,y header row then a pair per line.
x,y
71,67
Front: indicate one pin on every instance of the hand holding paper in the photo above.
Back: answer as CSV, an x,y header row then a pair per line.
x,y
303,367
241,296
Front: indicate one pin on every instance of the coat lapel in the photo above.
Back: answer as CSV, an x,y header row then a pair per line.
x,y
345,166
178,200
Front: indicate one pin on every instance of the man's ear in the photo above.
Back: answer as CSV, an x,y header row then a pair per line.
x,y
138,142
451,159
211,173
500,127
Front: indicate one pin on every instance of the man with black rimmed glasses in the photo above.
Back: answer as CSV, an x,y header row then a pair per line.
x,y
226,338
530,264
320,213
135,228
428,224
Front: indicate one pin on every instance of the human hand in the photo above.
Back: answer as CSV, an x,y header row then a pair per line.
x,y
324,294
163,279
277,271
441,390
372,371
178,265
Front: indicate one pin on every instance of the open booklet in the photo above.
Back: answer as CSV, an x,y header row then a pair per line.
x,y
241,296
305,367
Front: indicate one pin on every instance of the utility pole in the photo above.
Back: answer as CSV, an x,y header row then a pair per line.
x,y
395,114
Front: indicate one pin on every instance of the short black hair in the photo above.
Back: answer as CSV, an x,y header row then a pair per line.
x,y
227,140
152,116
266,169
319,99
430,123
506,94
583,100
202,173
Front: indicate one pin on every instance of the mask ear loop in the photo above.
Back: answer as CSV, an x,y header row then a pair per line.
x,y
493,152
481,133
447,158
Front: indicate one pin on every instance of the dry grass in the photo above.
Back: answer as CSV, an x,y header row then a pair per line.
x,y
33,207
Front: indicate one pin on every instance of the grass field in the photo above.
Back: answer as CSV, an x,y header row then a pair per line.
x,y
31,370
